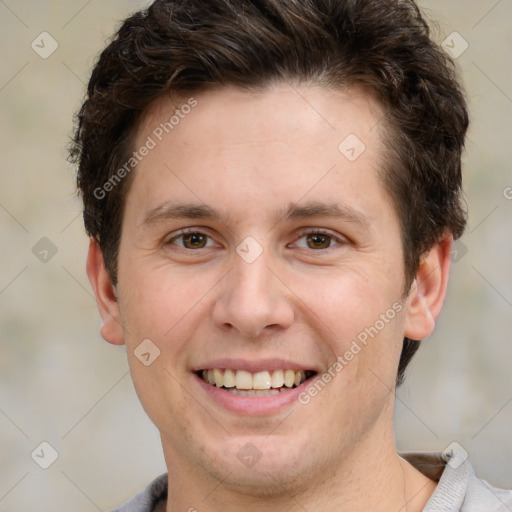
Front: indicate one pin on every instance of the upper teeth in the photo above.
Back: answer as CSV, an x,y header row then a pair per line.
x,y
242,379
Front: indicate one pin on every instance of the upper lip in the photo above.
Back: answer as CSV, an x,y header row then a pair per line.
x,y
253,365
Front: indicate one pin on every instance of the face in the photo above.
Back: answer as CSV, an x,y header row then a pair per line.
x,y
261,257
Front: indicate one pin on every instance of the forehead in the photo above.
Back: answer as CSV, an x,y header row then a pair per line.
x,y
274,145
280,111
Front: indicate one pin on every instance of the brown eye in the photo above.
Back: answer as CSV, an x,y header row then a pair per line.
x,y
191,241
194,240
318,241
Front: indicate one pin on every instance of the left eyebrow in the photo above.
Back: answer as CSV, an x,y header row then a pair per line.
x,y
318,209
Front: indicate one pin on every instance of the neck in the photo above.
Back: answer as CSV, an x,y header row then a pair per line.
x,y
373,478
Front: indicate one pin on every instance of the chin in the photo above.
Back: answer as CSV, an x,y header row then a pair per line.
x,y
263,467
267,481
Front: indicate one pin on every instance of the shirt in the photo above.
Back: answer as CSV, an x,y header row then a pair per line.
x,y
458,488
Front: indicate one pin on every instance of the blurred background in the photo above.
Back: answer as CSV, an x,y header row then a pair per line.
x,y
61,384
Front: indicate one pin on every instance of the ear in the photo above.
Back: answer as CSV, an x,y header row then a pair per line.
x,y
104,291
428,291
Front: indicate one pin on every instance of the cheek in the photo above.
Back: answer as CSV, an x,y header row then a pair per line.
x,y
156,301
346,301
162,306
359,320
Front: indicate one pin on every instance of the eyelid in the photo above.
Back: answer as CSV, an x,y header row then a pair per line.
x,y
186,231
340,239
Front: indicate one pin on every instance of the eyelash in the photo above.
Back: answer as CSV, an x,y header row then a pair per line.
x,y
303,234
183,233
333,237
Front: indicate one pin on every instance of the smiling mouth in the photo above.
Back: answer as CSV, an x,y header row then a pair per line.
x,y
265,383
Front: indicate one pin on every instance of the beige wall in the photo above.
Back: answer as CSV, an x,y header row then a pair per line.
x,y
60,383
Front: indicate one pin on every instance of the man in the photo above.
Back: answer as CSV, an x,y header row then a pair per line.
x,y
272,189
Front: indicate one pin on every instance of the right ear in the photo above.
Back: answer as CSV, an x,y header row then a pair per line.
x,y
104,291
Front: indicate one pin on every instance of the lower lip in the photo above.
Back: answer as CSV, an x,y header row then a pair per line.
x,y
252,405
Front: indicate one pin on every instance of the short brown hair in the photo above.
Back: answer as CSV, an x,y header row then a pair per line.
x,y
187,46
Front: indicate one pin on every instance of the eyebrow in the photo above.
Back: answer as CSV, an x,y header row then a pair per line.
x,y
294,211
318,209
174,211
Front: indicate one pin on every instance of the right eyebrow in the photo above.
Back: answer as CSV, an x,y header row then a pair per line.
x,y
172,211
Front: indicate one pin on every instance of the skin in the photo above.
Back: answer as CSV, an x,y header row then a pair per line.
x,y
249,156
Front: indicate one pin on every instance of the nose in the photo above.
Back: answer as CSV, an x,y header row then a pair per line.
x,y
253,301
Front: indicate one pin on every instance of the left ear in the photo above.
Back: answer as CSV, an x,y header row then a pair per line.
x,y
428,291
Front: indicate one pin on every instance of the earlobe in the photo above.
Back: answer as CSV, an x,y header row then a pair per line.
x,y
105,293
428,291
